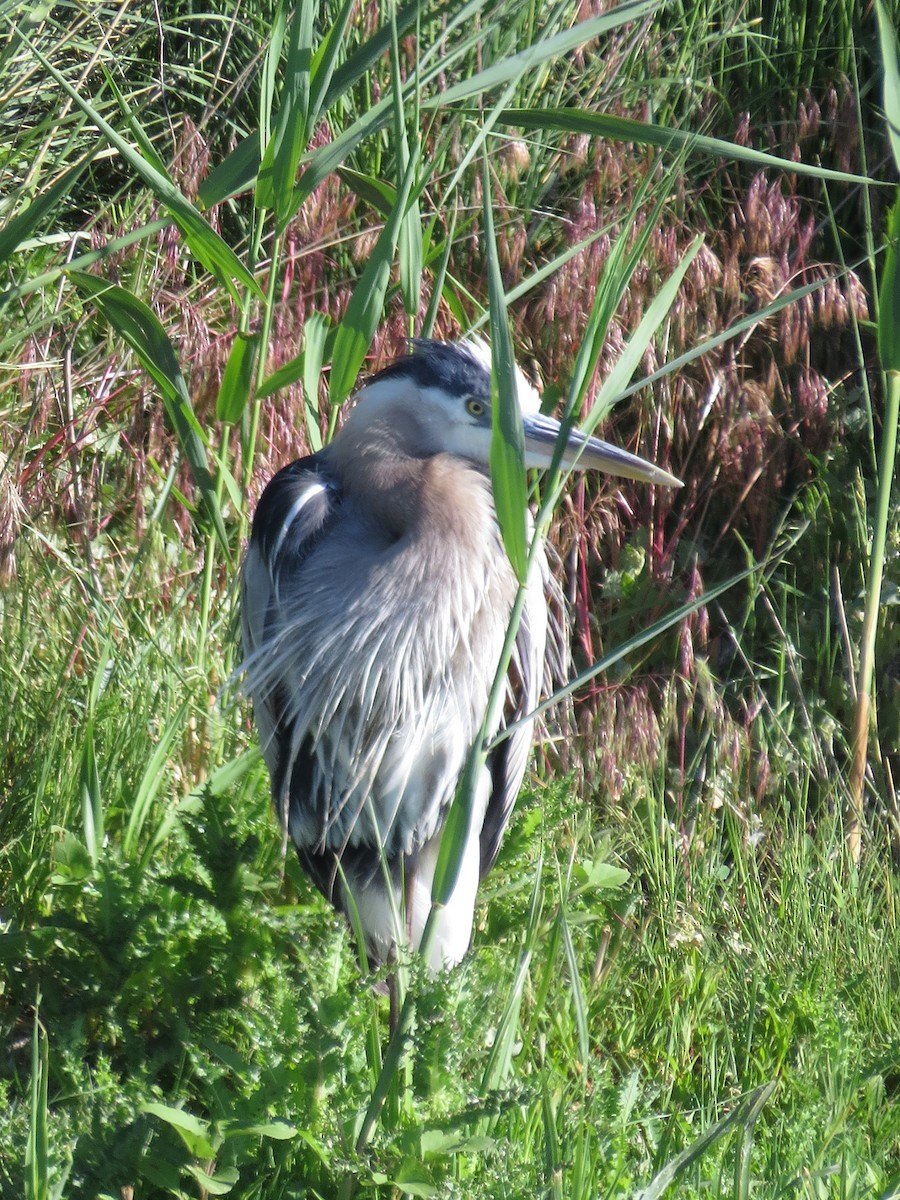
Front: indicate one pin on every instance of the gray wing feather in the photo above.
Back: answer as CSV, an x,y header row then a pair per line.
x,y
508,761
295,512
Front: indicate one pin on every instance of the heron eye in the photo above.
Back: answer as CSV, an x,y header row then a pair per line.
x,y
474,408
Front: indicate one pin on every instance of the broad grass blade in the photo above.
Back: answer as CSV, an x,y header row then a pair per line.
x,y
150,783
631,357
138,326
409,243
890,61
671,1171
558,46
28,221
202,241
315,335
889,295
281,157
507,437
356,330
91,798
37,1156
237,380
626,129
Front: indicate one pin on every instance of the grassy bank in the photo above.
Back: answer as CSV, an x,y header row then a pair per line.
x,y
681,979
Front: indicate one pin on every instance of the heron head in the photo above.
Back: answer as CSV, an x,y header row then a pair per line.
x,y
437,400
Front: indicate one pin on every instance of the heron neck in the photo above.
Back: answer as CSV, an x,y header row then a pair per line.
x,y
438,495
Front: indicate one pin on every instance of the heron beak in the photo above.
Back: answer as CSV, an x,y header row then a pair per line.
x,y
587,453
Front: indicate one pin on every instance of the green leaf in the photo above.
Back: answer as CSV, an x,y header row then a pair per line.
x,y
413,1180
600,875
150,783
37,1157
887,36
507,437
443,1142
325,63
71,858
276,1131
278,169
375,192
26,222
203,242
364,312
235,174
91,799
268,83
889,295
630,358
219,1184
625,129
560,45
316,332
237,380
746,1111
193,1132
138,326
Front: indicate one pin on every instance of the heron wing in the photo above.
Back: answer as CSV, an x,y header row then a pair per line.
x,y
508,760
297,509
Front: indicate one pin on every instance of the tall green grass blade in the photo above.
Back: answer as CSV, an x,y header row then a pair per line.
x,y
752,1104
278,169
497,1068
91,798
316,332
238,161
144,145
745,1144
889,354
890,62
203,242
140,329
196,1135
37,1156
29,220
507,437
626,254
581,1021
318,336
357,328
325,62
630,358
545,50
889,298
236,173
381,195
150,783
237,378
626,129
889,351
409,242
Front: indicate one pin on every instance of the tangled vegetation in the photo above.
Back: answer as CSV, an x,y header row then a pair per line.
x,y
685,967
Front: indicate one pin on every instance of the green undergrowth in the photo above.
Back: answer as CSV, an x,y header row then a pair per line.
x,y
640,973
681,982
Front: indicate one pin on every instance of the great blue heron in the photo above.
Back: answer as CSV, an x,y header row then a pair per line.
x,y
375,598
